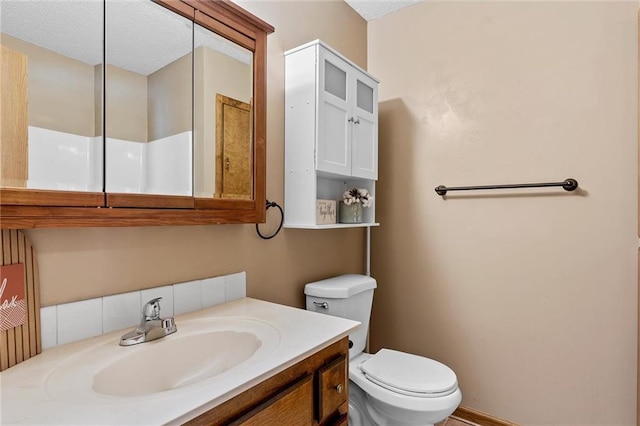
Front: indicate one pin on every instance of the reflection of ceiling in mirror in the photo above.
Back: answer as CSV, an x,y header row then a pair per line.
x,y
55,25
204,37
74,29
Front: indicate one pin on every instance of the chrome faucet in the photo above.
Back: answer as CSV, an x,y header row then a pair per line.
x,y
151,326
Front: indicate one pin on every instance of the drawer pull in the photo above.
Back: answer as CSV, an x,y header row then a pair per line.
x,y
339,388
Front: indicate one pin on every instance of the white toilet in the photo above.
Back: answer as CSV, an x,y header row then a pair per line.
x,y
389,388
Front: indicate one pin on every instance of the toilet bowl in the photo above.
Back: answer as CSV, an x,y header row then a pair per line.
x,y
381,404
388,388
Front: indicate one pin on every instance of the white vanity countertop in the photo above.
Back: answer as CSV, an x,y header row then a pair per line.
x,y
56,387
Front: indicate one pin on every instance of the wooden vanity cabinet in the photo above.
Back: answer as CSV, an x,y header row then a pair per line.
x,y
312,392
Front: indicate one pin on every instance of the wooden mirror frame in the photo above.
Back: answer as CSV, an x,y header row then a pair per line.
x,y
33,208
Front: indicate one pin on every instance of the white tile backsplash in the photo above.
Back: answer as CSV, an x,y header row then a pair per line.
x,y
79,320
74,321
187,297
213,291
120,311
49,326
236,286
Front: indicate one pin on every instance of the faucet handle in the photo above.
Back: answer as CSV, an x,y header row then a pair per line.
x,y
151,310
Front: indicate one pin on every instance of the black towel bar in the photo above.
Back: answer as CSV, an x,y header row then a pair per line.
x,y
568,185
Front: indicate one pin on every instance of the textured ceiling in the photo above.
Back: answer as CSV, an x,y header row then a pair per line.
x,y
141,37
373,9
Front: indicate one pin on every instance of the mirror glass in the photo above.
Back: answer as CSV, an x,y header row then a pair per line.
x,y
51,84
148,99
223,117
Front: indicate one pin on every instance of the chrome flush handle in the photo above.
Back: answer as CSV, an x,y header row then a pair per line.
x,y
323,305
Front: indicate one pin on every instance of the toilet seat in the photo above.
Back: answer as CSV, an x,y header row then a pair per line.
x,y
409,374
387,397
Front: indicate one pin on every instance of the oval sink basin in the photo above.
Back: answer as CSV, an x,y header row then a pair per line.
x,y
191,359
201,350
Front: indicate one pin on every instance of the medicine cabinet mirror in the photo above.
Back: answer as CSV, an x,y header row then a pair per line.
x,y
223,96
148,99
52,57
132,113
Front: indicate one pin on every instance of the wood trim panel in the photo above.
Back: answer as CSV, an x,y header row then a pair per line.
x,y
214,9
241,15
41,197
480,418
223,204
20,217
179,7
150,201
232,15
260,128
14,156
227,411
224,30
23,342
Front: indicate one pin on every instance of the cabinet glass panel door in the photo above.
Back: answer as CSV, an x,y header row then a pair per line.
x,y
333,150
51,84
335,80
148,99
365,129
223,117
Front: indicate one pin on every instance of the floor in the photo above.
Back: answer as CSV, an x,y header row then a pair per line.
x,y
455,421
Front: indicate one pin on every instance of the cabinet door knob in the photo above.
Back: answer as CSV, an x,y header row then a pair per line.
x,y
339,388
350,120
357,121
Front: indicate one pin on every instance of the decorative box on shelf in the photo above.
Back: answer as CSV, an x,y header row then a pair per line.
x,y
325,212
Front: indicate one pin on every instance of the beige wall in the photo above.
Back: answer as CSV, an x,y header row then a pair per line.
x,y
126,105
77,264
60,89
530,298
169,102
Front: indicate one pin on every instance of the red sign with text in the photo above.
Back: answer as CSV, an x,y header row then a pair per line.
x,y
13,305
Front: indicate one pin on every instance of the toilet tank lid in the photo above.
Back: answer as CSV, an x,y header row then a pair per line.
x,y
340,287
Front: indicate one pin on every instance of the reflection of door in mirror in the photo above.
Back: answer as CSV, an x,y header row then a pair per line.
x,y
233,148
51,95
222,68
148,99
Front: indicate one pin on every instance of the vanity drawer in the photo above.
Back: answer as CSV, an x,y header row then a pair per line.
x,y
291,406
293,397
332,387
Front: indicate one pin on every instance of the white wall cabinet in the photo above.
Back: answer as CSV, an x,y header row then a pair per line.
x,y
331,135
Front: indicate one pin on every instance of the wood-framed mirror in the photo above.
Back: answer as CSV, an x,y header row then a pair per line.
x,y
24,207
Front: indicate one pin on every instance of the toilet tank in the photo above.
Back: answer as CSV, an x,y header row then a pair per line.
x,y
348,296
